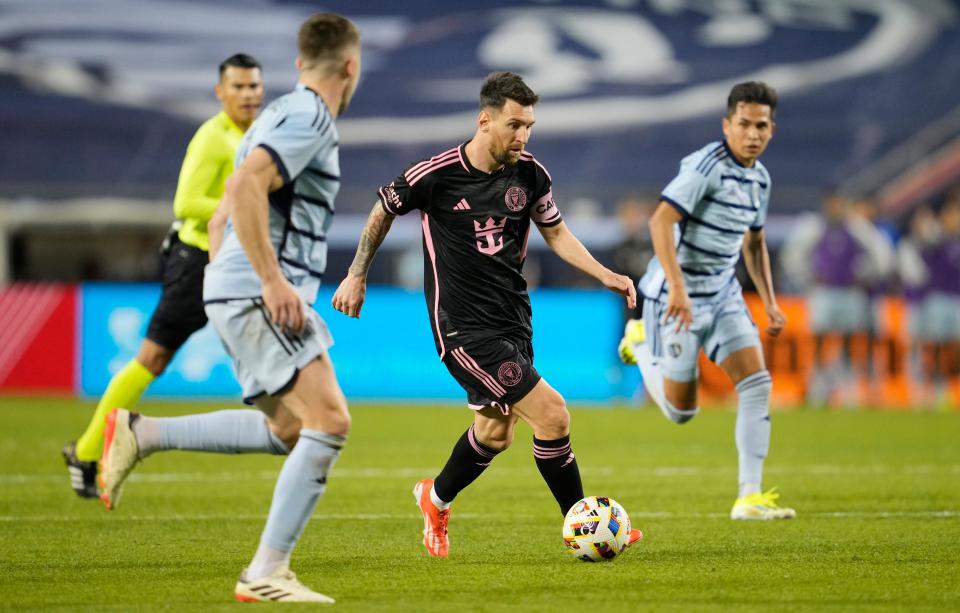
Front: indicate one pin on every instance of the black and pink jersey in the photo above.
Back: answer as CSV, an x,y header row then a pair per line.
x,y
475,231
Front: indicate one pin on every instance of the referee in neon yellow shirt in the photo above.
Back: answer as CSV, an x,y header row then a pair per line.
x,y
206,166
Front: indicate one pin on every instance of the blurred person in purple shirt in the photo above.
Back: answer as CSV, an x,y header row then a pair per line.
x,y
884,237
941,310
836,255
914,263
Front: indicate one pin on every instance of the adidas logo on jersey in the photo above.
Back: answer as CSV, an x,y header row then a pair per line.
x,y
463,205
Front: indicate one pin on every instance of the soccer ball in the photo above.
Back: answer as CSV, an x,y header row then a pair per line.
x,y
596,528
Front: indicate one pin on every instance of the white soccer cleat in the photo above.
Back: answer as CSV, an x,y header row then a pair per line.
x,y
760,507
281,586
120,455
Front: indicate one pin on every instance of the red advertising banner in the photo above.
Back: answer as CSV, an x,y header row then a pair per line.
x,y
38,338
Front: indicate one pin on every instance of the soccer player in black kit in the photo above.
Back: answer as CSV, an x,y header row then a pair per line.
x,y
476,202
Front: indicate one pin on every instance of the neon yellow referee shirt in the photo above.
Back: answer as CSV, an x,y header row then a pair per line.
x,y
206,166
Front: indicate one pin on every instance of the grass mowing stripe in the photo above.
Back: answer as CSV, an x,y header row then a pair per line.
x,y
944,514
407,473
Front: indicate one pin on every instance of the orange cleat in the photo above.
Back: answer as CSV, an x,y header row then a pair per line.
x,y
435,537
635,535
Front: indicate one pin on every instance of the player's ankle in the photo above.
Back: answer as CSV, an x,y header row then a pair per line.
x,y
438,502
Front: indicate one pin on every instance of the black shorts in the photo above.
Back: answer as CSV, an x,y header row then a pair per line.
x,y
494,371
180,311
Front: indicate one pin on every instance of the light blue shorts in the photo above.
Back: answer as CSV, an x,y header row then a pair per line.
x,y
720,327
266,358
940,318
839,310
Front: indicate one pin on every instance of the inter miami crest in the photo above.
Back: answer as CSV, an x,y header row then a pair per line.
x,y
510,373
515,199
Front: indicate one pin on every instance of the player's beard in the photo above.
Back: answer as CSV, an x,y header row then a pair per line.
x,y
503,157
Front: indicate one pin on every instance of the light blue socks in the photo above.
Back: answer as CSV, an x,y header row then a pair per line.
x,y
299,487
228,431
753,428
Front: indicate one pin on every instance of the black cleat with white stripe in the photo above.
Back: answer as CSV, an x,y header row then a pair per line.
x,y
83,475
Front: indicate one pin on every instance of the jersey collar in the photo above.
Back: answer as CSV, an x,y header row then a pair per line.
x,y
230,123
300,87
470,167
733,158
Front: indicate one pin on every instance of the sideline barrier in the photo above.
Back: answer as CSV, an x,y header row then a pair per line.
x,y
386,355
72,339
38,338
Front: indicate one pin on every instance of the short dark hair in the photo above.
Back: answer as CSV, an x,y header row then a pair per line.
x,y
756,92
238,60
501,86
325,36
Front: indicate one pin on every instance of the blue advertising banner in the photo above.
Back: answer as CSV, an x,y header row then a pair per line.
x,y
386,355
113,323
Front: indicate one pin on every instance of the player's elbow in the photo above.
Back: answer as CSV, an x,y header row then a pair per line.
x,y
181,207
551,235
235,183
661,221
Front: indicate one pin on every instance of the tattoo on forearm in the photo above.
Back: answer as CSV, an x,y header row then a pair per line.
x,y
378,224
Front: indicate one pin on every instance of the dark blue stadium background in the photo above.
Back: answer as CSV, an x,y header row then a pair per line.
x,y
60,146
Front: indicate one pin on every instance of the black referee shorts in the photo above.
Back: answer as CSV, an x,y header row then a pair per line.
x,y
180,311
494,371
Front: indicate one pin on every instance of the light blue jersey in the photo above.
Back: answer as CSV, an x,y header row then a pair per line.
x,y
720,200
299,133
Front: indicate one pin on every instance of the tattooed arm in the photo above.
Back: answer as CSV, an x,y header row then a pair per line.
x,y
348,299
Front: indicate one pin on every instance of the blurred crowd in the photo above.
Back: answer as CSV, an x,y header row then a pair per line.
x,y
848,261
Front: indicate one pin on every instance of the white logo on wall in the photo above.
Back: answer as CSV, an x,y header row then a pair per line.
x,y
533,40
124,326
201,354
195,361
159,55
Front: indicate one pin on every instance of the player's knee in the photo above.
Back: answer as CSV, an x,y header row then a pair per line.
x,y
288,433
498,441
329,414
680,416
345,422
497,435
337,420
155,359
681,403
554,417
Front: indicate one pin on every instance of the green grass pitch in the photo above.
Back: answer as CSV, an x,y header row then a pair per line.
x,y
878,498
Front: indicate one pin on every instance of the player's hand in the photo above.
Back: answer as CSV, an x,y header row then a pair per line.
x,y
348,299
284,305
622,285
776,320
679,308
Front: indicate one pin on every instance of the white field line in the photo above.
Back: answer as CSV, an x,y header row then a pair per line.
x,y
120,517
414,473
